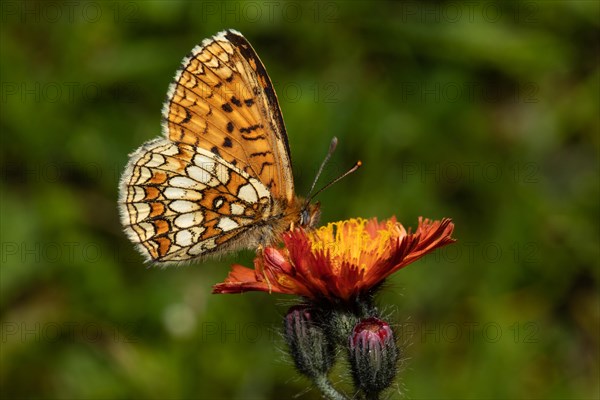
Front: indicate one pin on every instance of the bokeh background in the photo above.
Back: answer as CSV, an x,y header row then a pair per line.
x,y
480,111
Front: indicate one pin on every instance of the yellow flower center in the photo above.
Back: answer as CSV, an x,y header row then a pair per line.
x,y
350,241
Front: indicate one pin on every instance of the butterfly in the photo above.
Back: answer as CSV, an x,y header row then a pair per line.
x,y
220,179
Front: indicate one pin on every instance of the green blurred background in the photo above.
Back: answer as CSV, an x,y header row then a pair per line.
x,y
483,112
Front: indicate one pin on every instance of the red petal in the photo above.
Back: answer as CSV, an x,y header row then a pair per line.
x,y
277,261
239,280
429,236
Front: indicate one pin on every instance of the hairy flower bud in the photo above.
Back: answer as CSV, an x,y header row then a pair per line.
x,y
310,347
373,355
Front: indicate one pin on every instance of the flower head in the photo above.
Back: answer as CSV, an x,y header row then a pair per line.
x,y
373,355
311,349
340,261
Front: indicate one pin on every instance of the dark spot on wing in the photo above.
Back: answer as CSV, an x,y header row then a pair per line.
x,y
249,102
250,128
218,202
215,150
227,107
227,142
188,116
252,138
236,101
229,127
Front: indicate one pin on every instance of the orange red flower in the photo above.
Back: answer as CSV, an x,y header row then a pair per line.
x,y
340,261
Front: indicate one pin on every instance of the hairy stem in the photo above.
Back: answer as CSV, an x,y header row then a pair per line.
x,y
323,384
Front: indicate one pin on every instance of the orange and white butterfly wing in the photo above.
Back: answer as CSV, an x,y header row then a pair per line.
x,y
222,100
222,178
181,202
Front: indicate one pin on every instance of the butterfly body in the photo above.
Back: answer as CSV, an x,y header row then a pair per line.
x,y
220,178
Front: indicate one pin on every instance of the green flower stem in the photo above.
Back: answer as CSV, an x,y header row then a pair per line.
x,y
323,384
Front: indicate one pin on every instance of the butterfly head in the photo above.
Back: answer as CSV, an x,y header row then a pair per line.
x,y
310,215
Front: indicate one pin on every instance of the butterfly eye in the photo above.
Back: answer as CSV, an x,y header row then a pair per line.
x,y
309,216
304,217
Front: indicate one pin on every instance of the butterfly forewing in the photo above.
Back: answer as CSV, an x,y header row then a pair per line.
x,y
221,179
222,100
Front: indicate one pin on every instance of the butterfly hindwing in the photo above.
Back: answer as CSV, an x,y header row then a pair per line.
x,y
181,202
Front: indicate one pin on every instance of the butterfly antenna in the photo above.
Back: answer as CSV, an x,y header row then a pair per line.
x,y
332,147
339,178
